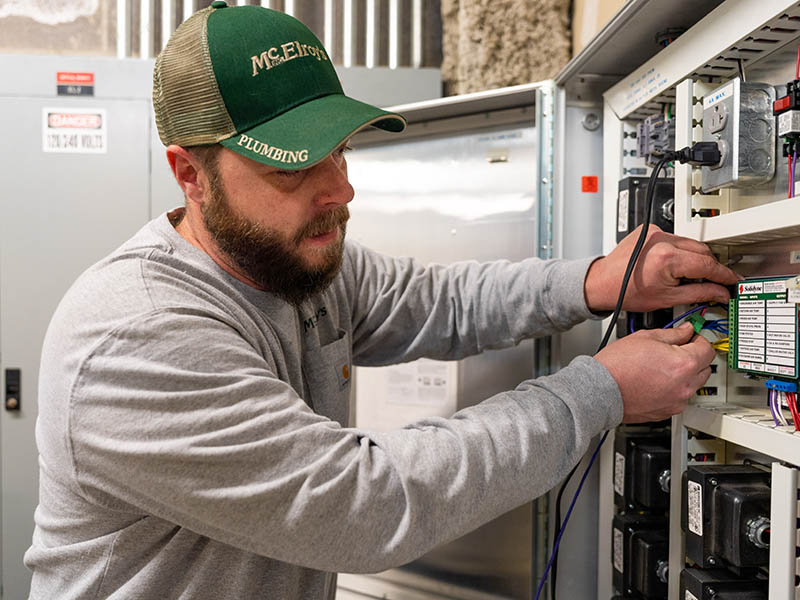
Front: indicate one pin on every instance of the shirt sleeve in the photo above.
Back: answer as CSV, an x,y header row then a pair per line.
x,y
175,414
403,310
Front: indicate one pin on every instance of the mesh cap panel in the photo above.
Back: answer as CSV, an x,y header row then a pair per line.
x,y
188,106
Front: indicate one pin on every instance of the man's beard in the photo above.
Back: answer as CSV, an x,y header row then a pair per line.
x,y
267,257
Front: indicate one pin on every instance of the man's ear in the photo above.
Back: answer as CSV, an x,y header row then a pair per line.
x,y
188,173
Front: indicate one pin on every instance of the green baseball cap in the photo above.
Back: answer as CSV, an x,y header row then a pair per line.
x,y
258,82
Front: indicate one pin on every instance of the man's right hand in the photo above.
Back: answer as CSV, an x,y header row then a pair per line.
x,y
657,370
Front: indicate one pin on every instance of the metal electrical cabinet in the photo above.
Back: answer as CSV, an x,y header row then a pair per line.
x,y
473,179
61,211
752,225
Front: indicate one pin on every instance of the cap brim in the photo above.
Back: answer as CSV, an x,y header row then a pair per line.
x,y
306,134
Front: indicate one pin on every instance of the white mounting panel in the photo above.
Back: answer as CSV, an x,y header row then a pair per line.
x,y
759,28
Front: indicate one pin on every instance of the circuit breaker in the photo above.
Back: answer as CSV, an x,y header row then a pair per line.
x,y
738,116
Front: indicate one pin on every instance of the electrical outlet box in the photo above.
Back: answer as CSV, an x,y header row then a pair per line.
x,y
738,116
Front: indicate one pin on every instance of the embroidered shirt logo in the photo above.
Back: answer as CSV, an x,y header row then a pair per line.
x,y
311,322
277,55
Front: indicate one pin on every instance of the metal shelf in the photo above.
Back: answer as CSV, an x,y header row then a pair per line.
x,y
750,427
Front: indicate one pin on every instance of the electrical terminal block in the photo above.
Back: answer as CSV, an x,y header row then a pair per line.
x,y
697,321
781,386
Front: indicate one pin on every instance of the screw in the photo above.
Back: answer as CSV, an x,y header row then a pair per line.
x,y
711,592
544,180
713,481
711,560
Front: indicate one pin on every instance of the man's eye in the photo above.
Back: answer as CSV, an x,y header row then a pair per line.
x,y
288,173
344,148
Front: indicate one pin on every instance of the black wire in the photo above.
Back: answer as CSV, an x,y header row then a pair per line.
x,y
557,528
637,250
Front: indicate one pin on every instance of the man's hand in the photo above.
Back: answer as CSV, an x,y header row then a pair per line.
x,y
655,282
657,370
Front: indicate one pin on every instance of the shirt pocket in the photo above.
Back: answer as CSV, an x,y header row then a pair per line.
x,y
328,372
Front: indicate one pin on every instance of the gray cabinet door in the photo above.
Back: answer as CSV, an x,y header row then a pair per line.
x,y
59,213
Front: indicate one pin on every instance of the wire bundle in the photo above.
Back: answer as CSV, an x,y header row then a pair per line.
x,y
776,400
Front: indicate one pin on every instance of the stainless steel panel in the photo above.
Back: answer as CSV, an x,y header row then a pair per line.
x,y
578,233
59,213
441,199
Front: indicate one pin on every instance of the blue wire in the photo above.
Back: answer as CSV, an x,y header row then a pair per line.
x,y
684,315
562,528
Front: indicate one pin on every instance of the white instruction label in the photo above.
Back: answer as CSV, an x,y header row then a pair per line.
x,y
690,596
618,549
793,296
766,332
695,507
619,473
622,211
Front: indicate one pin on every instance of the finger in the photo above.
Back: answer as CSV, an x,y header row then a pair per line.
x,y
695,293
701,349
691,265
676,336
687,244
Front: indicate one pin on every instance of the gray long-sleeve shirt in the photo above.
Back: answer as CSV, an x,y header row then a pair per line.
x,y
193,431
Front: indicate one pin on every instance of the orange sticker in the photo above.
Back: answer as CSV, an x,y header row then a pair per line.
x,y
589,184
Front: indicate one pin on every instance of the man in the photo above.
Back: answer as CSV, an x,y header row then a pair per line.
x,y
194,437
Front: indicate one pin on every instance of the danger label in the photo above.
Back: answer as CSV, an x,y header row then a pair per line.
x,y
78,131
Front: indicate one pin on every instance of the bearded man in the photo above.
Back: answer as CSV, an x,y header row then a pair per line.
x,y
194,435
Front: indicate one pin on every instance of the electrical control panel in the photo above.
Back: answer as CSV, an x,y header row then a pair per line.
x,y
738,116
735,450
763,329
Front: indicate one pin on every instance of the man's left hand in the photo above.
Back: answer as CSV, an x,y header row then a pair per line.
x,y
655,283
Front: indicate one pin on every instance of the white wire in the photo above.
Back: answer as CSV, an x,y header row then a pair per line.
x,y
778,408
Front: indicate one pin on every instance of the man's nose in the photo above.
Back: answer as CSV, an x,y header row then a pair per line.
x,y
334,186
